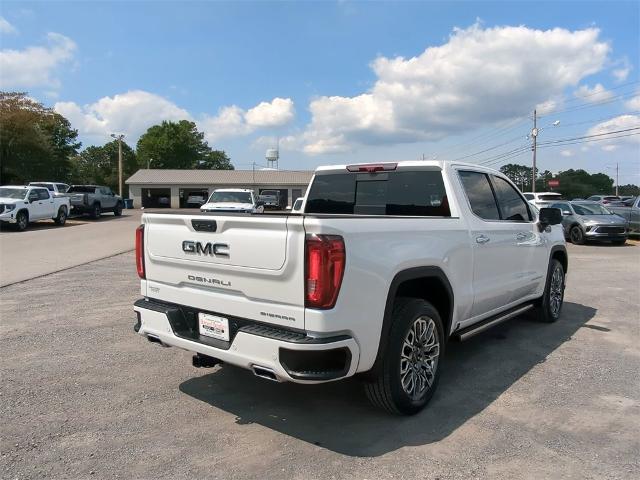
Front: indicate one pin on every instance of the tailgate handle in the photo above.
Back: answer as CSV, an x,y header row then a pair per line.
x,y
204,225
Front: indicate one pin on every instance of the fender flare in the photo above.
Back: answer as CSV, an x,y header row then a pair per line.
x,y
401,277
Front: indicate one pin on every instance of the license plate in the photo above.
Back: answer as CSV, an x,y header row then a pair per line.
x,y
214,326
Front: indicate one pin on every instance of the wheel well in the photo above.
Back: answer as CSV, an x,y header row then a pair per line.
x,y
23,210
432,290
561,256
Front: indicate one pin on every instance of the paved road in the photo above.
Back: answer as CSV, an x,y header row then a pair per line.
x,y
83,397
46,248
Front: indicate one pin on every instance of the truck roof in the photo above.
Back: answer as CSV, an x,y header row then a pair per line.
x,y
233,190
441,164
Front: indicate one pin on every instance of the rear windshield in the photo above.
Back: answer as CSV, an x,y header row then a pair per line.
x,y
81,189
230,197
414,193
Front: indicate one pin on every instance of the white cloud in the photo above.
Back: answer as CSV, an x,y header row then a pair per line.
x,y
566,153
35,66
479,77
234,121
135,111
276,113
131,112
593,95
623,122
633,103
6,27
621,73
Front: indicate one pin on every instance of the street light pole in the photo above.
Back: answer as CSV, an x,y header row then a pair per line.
x,y
119,137
617,183
534,134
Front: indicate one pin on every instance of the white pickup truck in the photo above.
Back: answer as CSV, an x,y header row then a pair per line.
x,y
20,205
386,264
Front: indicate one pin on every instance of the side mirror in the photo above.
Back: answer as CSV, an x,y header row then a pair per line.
x,y
260,203
549,216
32,198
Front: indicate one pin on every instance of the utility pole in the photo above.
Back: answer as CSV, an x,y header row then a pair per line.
x,y
617,171
119,137
534,135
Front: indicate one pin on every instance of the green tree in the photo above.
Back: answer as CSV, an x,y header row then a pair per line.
x,y
99,165
36,143
518,174
629,189
178,145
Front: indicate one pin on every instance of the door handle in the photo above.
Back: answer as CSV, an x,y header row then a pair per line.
x,y
520,236
482,239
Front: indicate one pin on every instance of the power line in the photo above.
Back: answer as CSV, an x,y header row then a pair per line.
x,y
589,141
577,98
590,136
590,105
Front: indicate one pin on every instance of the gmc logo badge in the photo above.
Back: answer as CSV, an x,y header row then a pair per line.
x,y
214,249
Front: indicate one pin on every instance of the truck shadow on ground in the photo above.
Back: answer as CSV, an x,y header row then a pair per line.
x,y
337,416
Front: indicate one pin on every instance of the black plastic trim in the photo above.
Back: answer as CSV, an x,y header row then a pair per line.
x,y
401,277
314,360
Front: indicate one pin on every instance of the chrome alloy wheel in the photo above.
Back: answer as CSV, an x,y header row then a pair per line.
x,y
419,357
556,291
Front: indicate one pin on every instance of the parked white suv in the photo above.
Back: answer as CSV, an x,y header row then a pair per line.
x,y
542,198
386,264
20,205
239,200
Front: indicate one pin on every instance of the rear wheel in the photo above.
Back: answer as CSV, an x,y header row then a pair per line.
x,y
22,220
61,219
96,211
408,375
577,235
551,303
117,211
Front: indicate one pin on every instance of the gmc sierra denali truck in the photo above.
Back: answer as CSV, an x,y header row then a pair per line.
x,y
386,263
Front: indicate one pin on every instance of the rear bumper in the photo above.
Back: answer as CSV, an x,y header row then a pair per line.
x,y
292,356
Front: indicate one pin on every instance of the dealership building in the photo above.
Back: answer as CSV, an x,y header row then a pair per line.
x,y
163,188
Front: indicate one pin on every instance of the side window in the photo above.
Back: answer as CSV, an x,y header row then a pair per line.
x,y
480,195
511,204
62,188
529,196
43,194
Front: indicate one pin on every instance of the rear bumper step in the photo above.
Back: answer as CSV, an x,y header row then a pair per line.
x,y
270,352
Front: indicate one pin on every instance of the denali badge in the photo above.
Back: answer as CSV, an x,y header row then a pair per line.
x,y
215,249
213,281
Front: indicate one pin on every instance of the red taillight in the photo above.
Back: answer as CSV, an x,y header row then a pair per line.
x,y
324,266
140,251
373,167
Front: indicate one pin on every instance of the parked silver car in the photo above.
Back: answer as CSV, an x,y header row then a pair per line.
x,y
583,221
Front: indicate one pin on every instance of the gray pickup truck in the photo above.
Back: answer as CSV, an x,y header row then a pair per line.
x,y
630,211
93,200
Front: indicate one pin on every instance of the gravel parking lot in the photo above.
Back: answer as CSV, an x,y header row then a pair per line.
x,y
83,396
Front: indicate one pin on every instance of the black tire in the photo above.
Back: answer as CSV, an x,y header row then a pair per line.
x,y
576,235
61,219
385,390
550,306
619,242
22,220
96,211
117,211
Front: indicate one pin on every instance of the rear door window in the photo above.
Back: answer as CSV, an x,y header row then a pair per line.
x,y
512,205
397,193
480,194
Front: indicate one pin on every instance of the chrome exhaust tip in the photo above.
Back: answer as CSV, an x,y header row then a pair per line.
x,y
265,372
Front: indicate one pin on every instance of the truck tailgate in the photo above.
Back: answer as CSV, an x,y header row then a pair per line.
x,y
247,266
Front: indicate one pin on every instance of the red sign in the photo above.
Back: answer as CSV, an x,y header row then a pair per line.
x,y
553,183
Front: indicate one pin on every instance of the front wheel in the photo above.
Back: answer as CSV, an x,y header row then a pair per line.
x,y
117,211
22,220
408,375
577,235
619,242
551,303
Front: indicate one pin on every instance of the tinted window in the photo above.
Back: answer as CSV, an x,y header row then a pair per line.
x,y
62,188
45,185
81,189
512,206
480,195
415,193
529,196
562,206
550,197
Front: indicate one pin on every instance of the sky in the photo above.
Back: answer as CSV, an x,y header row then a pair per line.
x,y
337,82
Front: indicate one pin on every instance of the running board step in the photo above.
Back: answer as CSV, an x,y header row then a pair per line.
x,y
490,322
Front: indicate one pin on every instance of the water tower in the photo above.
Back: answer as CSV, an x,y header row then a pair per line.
x,y
272,157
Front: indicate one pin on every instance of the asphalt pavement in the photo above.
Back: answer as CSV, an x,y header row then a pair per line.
x,y
46,248
82,396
